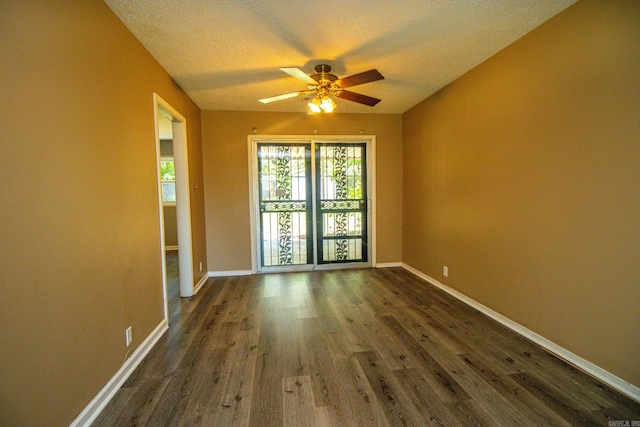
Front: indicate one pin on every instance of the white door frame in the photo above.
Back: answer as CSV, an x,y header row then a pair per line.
x,y
183,202
254,206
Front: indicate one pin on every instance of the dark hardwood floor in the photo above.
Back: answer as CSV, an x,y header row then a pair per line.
x,y
349,348
173,286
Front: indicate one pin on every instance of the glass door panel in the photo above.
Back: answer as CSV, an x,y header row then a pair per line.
x,y
341,202
285,204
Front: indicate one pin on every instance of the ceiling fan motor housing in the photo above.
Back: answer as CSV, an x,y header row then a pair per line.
x,y
323,72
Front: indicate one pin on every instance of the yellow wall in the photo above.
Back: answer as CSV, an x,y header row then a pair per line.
x,y
523,177
170,219
170,226
225,159
79,219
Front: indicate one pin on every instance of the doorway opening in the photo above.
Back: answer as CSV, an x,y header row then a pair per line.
x,y
313,203
173,200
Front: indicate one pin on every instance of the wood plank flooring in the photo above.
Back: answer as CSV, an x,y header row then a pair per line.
x,y
173,284
366,347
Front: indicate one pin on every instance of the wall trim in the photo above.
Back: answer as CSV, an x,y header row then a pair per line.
x,y
183,194
200,283
388,264
230,273
595,371
91,412
171,248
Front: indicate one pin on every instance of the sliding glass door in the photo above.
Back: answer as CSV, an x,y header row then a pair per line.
x,y
285,204
312,204
341,203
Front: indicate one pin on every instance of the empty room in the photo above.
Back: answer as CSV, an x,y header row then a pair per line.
x,y
280,213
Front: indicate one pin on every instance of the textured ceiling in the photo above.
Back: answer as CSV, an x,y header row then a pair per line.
x,y
226,54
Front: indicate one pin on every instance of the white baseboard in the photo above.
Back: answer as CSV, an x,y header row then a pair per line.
x,y
200,283
230,273
606,377
388,264
89,414
171,248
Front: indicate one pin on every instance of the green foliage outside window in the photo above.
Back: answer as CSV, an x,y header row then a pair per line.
x,y
168,178
167,170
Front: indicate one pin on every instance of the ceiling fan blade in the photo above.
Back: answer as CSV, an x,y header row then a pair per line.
x,y
285,96
300,75
360,78
357,97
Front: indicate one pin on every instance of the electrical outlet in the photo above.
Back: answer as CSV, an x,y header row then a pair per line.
x,y
445,271
129,335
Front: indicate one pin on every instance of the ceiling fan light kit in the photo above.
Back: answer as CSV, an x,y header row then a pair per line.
x,y
322,103
323,85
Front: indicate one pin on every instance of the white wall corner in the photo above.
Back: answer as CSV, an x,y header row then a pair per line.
x,y
584,365
91,412
200,283
230,273
388,264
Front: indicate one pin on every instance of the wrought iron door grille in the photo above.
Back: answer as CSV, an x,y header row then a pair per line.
x,y
342,208
285,212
